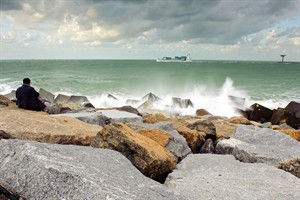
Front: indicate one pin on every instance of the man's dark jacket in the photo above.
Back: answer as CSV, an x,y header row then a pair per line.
x,y
27,98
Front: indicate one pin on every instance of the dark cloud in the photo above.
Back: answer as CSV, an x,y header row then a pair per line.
x,y
10,4
199,21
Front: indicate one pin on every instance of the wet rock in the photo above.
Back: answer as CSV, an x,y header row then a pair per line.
x,y
144,153
292,120
259,113
293,108
211,176
150,97
182,103
43,171
224,128
277,116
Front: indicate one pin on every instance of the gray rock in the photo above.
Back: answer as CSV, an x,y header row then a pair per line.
x,y
89,117
43,171
121,116
61,98
104,117
177,145
81,100
12,95
48,96
254,144
211,176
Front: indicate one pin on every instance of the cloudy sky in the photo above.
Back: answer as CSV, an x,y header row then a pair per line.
x,y
147,29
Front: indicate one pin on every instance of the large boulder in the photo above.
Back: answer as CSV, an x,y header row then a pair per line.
x,y
12,95
211,176
47,96
259,113
39,126
224,128
43,171
254,144
177,144
294,108
144,153
104,117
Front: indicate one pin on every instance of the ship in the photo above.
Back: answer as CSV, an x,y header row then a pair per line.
x,y
186,58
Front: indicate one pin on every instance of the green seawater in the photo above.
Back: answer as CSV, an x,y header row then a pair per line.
x,y
271,83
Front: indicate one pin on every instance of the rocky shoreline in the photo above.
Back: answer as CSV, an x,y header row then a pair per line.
x,y
76,151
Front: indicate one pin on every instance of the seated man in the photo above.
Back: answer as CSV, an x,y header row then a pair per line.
x,y
28,98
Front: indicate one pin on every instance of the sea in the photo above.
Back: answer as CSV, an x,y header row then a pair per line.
x,y
207,83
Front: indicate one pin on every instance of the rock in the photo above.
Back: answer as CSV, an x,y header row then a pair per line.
x,y
202,112
150,97
81,100
205,126
177,144
6,103
144,153
4,135
266,125
7,195
194,138
129,109
207,147
39,126
277,116
96,118
254,144
237,102
133,102
60,98
108,101
154,118
291,166
239,120
260,113
293,108
211,176
159,136
292,120
224,128
292,133
121,116
104,117
182,103
11,96
43,171
48,96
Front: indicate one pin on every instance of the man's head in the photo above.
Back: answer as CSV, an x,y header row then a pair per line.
x,y
26,81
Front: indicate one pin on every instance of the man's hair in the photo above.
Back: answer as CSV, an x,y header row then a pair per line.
x,y
26,81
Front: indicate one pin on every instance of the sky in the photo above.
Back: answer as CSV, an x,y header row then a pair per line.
x,y
149,29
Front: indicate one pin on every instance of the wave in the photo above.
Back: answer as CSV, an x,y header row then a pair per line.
x,y
217,101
